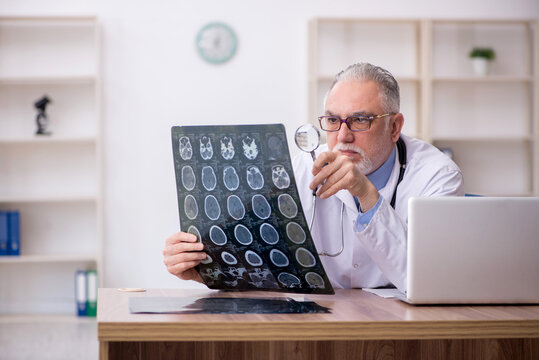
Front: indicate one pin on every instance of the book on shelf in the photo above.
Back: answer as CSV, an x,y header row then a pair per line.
x,y
80,292
14,231
91,282
10,233
86,292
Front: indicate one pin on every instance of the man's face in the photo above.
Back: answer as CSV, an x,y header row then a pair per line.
x,y
367,149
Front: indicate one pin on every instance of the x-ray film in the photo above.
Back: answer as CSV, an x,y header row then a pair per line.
x,y
237,194
222,305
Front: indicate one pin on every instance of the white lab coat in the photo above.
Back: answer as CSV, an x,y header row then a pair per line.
x,y
375,256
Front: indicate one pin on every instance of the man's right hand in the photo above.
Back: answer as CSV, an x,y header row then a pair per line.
x,y
181,254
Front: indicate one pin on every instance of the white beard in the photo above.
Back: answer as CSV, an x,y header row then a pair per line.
x,y
367,164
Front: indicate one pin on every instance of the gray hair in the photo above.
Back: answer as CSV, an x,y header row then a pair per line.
x,y
389,88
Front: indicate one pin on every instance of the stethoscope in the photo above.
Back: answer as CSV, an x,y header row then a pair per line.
x,y
307,139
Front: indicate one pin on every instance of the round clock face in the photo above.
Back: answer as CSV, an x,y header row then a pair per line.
x,y
216,43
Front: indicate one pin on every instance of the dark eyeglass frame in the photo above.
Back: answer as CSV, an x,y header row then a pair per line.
x,y
347,121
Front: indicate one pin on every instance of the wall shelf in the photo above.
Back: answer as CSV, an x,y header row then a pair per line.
x,y
70,258
48,80
12,199
484,79
480,139
54,319
27,140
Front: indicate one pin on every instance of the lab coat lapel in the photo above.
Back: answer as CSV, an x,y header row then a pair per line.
x,y
348,200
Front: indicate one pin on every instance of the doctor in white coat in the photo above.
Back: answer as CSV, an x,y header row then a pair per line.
x,y
363,181
364,177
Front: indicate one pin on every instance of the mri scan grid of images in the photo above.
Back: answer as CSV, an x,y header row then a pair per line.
x,y
237,194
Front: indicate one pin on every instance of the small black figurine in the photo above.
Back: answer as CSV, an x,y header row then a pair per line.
x,y
41,118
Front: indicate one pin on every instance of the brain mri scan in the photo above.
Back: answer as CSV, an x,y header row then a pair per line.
x,y
276,147
280,177
261,207
295,233
190,206
315,280
209,180
227,148
193,230
243,235
231,179
288,280
206,149
287,206
305,258
217,235
269,234
250,148
186,149
188,178
253,258
211,207
229,258
235,207
255,180
278,258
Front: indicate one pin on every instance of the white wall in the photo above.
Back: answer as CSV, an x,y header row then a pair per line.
x,y
153,79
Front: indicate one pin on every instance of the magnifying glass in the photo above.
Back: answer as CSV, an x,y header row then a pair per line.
x,y
307,139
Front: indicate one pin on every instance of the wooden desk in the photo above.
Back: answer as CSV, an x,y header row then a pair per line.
x,y
361,326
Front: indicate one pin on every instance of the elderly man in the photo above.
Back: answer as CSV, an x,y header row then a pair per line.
x,y
363,178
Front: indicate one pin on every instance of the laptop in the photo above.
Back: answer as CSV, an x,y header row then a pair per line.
x,y
473,250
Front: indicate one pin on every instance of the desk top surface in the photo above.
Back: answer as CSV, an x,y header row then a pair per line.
x,y
355,315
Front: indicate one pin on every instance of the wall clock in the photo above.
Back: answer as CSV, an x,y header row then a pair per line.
x,y
216,42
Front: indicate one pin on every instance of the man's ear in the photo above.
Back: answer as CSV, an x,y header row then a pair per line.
x,y
395,126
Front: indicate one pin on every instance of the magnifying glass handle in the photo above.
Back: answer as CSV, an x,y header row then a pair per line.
x,y
314,158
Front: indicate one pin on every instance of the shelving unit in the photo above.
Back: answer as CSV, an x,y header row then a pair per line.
x,y
54,181
490,122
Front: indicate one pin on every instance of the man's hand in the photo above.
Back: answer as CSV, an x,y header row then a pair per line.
x,y
182,253
334,172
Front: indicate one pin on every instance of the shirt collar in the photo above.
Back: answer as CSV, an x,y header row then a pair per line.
x,y
381,175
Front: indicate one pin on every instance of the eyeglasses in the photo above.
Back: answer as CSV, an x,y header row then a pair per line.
x,y
354,123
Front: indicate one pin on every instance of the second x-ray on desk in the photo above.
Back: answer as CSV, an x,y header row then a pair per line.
x,y
237,193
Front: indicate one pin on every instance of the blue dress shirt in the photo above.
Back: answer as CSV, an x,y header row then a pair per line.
x,y
379,179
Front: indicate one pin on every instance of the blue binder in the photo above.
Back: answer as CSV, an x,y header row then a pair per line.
x,y
14,233
4,234
81,296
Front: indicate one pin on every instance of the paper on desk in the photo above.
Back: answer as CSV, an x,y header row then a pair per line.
x,y
386,293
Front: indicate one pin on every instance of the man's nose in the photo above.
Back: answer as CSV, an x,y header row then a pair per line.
x,y
345,134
